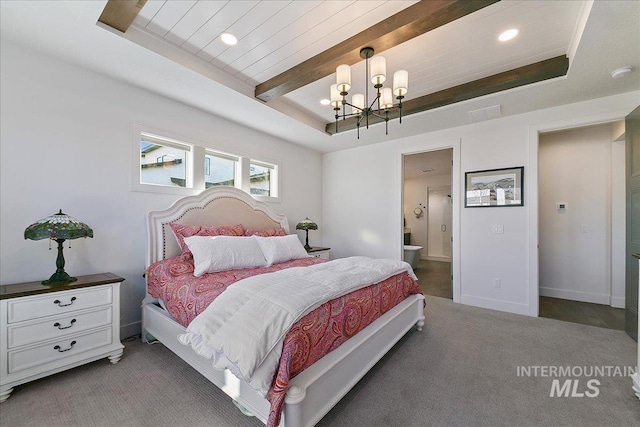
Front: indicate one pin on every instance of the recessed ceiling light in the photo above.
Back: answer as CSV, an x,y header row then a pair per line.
x,y
621,72
508,35
325,101
229,39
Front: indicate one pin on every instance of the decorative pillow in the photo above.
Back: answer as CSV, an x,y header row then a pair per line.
x,y
221,253
181,231
179,267
267,232
281,249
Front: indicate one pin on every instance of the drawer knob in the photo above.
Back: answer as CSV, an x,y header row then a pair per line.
x,y
64,305
66,349
57,325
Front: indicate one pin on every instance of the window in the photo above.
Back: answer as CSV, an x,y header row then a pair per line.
x,y
262,179
173,164
219,169
163,161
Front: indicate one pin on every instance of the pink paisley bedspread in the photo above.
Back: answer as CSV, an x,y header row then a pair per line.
x,y
185,296
315,335
327,327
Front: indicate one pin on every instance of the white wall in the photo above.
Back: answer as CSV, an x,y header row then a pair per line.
x,y
362,202
66,144
575,243
618,215
415,192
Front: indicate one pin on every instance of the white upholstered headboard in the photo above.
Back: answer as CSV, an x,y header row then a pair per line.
x,y
214,206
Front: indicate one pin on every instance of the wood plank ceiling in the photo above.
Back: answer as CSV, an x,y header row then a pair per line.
x,y
289,49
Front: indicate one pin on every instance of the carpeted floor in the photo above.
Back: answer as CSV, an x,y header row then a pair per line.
x,y
461,370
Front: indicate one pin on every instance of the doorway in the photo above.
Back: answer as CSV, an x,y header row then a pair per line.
x,y
428,218
580,241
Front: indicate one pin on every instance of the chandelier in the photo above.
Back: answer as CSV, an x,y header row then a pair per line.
x,y
383,101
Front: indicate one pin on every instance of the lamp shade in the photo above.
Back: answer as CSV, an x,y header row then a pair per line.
x,y
58,226
306,224
400,83
358,103
386,98
378,70
343,77
336,99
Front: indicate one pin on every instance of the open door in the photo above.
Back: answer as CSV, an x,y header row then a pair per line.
x,y
632,154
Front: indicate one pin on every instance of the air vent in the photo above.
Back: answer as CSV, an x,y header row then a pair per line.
x,y
487,113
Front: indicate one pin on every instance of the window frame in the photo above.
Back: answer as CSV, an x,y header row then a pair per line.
x,y
195,167
226,156
274,180
168,140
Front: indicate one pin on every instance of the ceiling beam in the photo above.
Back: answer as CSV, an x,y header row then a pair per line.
x,y
119,14
411,22
532,73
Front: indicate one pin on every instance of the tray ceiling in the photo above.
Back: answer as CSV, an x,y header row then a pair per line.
x,y
276,36
602,36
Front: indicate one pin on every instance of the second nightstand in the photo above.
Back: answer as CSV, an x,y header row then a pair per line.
x,y
318,252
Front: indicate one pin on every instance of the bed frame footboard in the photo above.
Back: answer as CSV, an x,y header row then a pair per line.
x,y
313,392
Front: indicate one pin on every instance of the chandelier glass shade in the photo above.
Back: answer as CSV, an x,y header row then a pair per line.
x,y
383,102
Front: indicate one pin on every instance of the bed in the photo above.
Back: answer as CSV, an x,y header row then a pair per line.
x,y
316,389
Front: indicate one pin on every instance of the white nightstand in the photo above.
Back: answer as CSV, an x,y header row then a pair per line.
x,y
318,252
46,329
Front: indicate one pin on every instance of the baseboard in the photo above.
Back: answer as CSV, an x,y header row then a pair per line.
x,y
130,329
617,302
575,295
494,304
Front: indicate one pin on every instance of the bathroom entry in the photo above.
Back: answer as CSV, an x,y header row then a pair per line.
x,y
439,217
428,219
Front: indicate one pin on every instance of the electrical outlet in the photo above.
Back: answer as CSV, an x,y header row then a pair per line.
x,y
497,283
584,228
498,229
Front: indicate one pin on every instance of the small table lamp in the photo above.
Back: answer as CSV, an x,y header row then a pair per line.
x,y
58,227
306,225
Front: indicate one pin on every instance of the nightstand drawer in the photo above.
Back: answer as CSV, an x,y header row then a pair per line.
x,y
59,326
321,254
27,308
56,350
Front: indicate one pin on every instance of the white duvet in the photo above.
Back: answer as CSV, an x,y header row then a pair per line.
x,y
244,328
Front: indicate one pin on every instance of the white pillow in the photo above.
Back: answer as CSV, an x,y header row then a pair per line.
x,y
281,249
220,253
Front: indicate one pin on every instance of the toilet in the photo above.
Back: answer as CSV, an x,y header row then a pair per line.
x,y
412,255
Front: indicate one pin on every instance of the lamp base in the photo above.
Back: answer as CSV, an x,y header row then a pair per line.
x,y
59,278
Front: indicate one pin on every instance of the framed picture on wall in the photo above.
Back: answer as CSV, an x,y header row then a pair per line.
x,y
494,188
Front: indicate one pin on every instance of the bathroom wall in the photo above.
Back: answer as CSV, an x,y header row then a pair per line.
x,y
415,195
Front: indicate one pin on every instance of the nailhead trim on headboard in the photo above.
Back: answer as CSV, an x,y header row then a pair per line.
x,y
164,236
181,208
